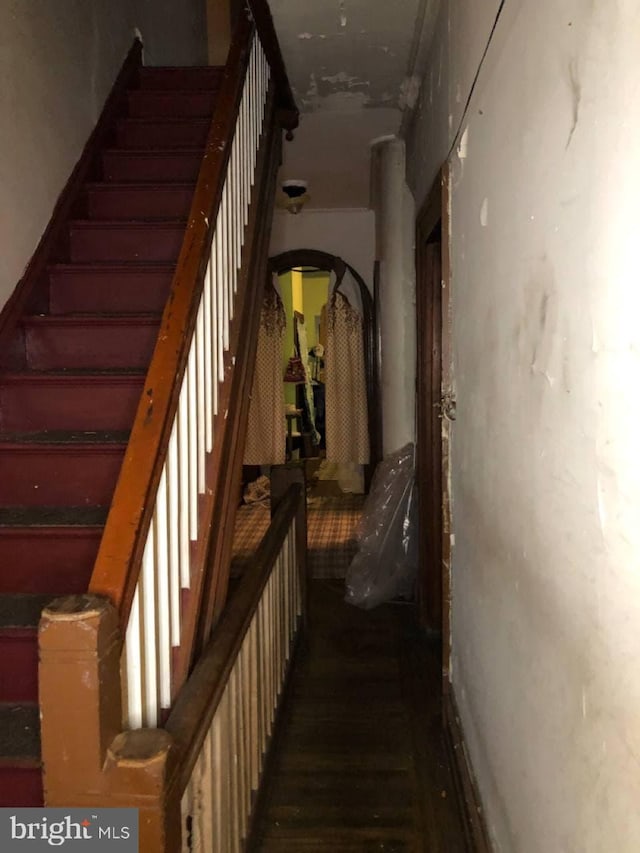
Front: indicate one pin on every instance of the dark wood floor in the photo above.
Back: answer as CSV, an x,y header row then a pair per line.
x,y
359,762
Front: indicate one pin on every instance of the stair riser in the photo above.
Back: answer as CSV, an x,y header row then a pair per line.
x,y
20,787
58,476
91,346
98,291
180,78
152,203
91,244
151,167
46,560
18,665
150,104
72,405
158,134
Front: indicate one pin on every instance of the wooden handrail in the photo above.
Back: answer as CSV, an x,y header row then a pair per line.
x,y
196,705
286,105
117,566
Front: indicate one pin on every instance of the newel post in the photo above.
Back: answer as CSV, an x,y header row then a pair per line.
x,y
80,694
87,759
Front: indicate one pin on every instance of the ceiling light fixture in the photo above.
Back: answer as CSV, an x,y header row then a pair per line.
x,y
294,196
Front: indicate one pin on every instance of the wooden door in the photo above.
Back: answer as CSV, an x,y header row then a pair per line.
x,y
429,427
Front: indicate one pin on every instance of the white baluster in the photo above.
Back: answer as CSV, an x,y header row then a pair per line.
x,y
133,653
150,644
160,530
192,414
199,348
183,471
173,527
208,361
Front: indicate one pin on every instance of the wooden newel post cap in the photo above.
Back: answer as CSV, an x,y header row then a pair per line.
x,y
74,607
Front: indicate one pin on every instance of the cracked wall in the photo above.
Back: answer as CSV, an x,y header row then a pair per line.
x,y
545,207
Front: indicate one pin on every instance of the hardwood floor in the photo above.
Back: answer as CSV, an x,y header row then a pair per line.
x,y
359,762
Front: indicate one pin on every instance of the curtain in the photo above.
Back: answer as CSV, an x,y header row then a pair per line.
x,y
266,431
346,390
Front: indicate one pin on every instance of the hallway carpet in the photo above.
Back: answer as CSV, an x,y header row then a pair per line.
x,y
331,524
359,762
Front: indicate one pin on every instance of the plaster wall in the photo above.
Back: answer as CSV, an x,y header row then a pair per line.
x,y
58,61
545,208
350,234
331,151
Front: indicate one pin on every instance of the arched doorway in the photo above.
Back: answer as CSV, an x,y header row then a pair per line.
x,y
313,259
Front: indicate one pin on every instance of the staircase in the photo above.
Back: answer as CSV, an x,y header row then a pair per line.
x,y
72,373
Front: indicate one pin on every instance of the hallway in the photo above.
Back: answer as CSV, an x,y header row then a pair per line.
x,y
351,768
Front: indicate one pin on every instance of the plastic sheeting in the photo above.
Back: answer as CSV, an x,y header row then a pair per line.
x,y
386,564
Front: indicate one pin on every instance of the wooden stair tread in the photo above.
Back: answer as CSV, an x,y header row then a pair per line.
x,y
146,186
53,516
22,610
88,318
128,224
105,373
169,120
112,266
61,437
20,733
154,152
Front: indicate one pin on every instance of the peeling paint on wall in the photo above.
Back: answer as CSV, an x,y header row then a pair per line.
x,y
409,92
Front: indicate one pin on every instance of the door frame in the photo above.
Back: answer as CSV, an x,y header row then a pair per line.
x,y
436,211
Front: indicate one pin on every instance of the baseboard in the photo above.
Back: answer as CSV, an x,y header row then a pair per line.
x,y
464,779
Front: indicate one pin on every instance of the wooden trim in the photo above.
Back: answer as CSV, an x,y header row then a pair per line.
x,y
446,358
436,211
117,567
191,716
478,838
285,102
285,261
30,292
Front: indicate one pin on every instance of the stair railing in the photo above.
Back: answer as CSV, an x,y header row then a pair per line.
x,y
194,782
157,549
235,689
114,662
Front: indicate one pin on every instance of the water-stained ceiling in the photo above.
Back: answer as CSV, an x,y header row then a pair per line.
x,y
347,54
354,67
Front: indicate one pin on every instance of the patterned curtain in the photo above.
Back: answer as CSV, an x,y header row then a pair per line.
x,y
266,431
346,390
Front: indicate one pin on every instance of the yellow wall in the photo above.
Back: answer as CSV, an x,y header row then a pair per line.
x,y
306,294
